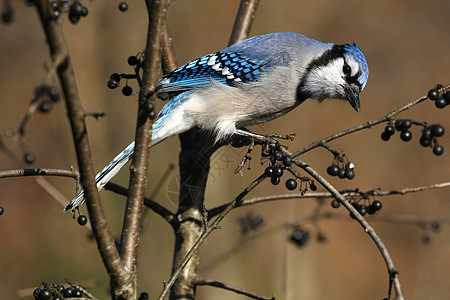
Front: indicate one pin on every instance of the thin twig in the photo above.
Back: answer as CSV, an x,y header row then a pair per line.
x,y
309,195
41,172
218,284
392,271
388,117
153,205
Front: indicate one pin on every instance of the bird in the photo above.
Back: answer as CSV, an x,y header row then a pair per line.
x,y
253,81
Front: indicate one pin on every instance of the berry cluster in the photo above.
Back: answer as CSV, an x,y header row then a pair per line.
x,y
279,161
341,167
440,101
57,292
115,78
250,222
429,133
75,8
46,95
363,209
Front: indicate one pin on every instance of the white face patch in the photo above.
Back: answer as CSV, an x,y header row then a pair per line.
x,y
354,66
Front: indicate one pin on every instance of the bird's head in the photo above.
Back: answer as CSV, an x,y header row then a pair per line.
x,y
341,72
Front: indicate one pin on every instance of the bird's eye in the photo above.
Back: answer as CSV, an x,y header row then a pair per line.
x,y
346,69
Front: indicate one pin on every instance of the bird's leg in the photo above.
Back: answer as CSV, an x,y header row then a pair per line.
x,y
245,158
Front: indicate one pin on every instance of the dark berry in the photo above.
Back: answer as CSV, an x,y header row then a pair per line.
x,y
426,238
148,106
440,103
278,155
437,130
123,6
53,93
433,94
425,142
45,106
321,238
127,90
2,210
287,160
143,296
438,150
333,170
112,84
77,293
82,220
40,90
389,129
275,180
385,136
446,96
403,124
74,18
350,173
7,16
436,226
399,125
152,115
426,133
36,293
115,77
371,210
68,292
335,203
362,209
84,11
277,172
76,8
299,237
312,186
341,173
406,136
269,171
132,60
291,184
29,158
163,96
45,294
377,205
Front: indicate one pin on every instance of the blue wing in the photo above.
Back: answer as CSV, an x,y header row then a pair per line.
x,y
225,67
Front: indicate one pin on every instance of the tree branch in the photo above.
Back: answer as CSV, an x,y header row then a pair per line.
x,y
214,283
41,172
244,20
62,64
208,230
157,11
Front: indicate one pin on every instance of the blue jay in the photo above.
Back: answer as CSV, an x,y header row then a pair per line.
x,y
250,82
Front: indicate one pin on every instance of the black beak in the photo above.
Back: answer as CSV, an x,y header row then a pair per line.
x,y
352,94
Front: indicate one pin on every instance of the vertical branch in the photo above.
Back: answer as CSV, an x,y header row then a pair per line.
x,y
157,11
244,21
196,151
63,66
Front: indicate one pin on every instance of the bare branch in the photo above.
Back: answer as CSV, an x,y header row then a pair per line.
x,y
41,172
157,11
243,21
214,283
62,64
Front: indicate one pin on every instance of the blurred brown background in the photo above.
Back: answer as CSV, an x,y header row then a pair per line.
x,y
407,46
